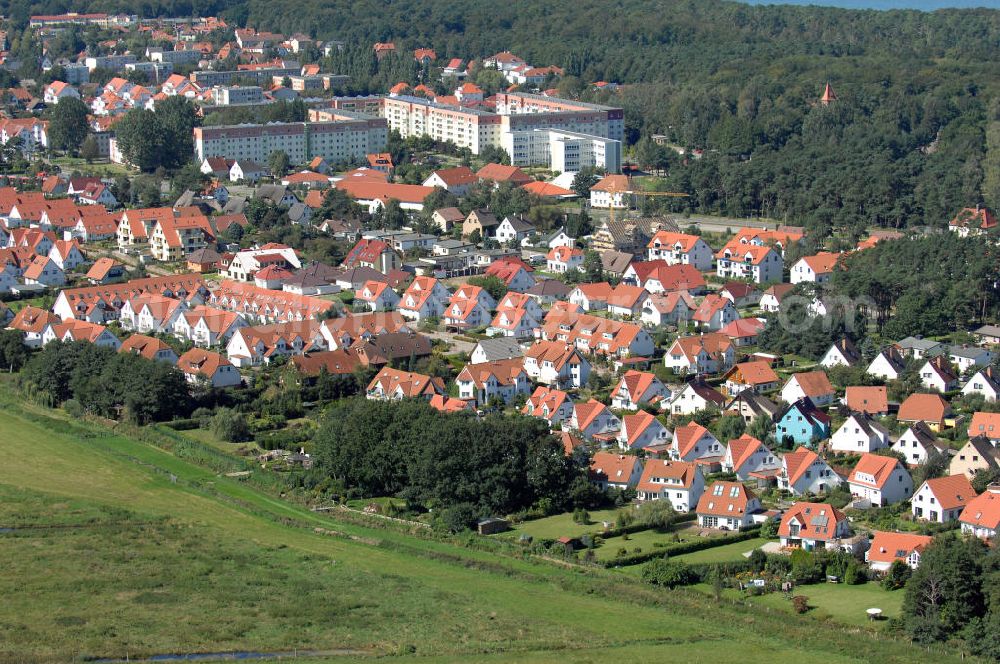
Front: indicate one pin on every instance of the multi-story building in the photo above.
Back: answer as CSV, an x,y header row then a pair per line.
x,y
302,141
231,95
207,78
563,151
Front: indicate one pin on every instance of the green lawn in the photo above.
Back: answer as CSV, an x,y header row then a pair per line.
x,y
725,553
168,557
834,601
562,525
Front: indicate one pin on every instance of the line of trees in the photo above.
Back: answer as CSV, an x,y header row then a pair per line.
x,y
468,466
99,380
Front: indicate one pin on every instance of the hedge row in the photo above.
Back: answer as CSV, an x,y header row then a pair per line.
x,y
681,549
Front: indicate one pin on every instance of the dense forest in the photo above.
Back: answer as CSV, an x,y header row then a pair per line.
x,y
913,136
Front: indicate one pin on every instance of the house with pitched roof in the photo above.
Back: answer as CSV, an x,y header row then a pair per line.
x,y
888,364
514,275
375,254
858,434
45,272
977,454
465,313
812,526
803,472
456,180
743,331
812,384
515,229
148,347
626,301
748,458
497,348
377,296
931,409
801,423
199,364
693,442
918,444
564,259
986,425
886,548
636,387
592,418
759,264
981,516
749,405
640,430
937,374
696,396
659,277
680,248
556,363
552,405
872,400
972,222
772,298
392,385
942,499
612,191
728,506
843,352
591,296
679,482
701,354
985,382
203,326
499,379
615,471
67,254
32,322
662,309
425,298
883,480
714,313
756,375
816,269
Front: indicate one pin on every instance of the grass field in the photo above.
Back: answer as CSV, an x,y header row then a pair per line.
x,y
562,525
835,601
725,553
156,555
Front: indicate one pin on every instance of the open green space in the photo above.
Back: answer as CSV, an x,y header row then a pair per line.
x,y
831,601
166,556
562,525
102,169
725,553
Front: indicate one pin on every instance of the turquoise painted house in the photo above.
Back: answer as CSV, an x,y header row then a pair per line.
x,y
802,423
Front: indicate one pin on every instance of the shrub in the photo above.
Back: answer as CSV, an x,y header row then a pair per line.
x,y
800,603
897,576
230,425
667,573
459,517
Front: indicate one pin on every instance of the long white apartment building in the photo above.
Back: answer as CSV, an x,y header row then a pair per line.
x,y
562,134
340,140
233,95
563,151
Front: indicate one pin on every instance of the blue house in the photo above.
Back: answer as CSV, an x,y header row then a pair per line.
x,y
802,423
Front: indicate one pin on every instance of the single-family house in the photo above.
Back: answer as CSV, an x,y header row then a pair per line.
x,y
801,423
803,472
592,418
859,434
843,352
499,379
615,471
728,506
748,458
942,499
756,375
552,405
886,548
883,480
888,364
868,399
977,454
679,482
931,409
558,364
985,382
199,364
937,374
640,430
918,444
812,526
693,442
813,384
701,354
981,517
637,387
695,396
714,313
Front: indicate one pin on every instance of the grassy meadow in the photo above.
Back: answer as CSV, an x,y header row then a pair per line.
x,y
119,549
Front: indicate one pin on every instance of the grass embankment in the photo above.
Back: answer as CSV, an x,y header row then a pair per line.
x,y
203,563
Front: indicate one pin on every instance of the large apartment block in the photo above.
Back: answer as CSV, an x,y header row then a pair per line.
x,y
562,134
207,78
340,140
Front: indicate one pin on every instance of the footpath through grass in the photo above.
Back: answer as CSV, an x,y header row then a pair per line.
x,y
202,563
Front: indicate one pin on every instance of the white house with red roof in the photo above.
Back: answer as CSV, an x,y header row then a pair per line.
x,y
57,91
743,331
714,313
700,354
981,516
880,479
816,269
592,418
426,297
693,442
612,191
499,379
803,471
886,548
813,384
659,277
552,405
558,364
759,264
591,296
200,364
640,430
67,254
659,309
942,499
80,330
517,323
564,259
627,301
679,482
680,248
728,506
514,275
748,457
615,471
466,312
812,526
45,272
636,387
377,296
